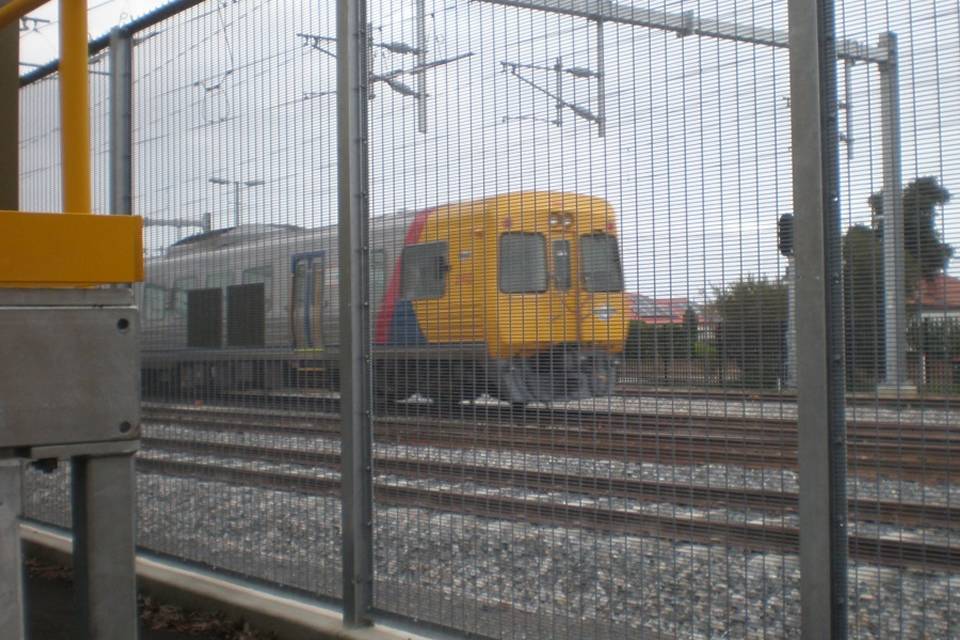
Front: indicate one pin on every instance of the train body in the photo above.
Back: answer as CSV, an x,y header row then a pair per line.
x,y
519,296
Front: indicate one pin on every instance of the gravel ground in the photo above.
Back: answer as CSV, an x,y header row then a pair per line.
x,y
515,580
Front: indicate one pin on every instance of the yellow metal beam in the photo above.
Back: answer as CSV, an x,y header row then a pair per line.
x,y
69,250
75,106
16,9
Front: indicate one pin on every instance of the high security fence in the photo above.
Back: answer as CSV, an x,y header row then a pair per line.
x,y
544,318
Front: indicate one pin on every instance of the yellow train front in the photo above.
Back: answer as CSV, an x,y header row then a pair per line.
x,y
519,296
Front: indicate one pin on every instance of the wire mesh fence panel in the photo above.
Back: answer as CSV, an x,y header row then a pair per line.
x,y
40,146
586,424
898,166
39,135
235,171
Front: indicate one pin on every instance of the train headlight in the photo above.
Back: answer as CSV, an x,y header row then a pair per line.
x,y
563,220
605,312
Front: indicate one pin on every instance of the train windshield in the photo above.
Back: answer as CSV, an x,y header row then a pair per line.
x,y
523,263
600,263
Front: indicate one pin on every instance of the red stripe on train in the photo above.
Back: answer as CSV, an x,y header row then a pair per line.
x,y
384,318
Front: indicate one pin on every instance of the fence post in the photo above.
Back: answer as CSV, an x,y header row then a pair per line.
x,y
355,407
11,563
121,129
820,376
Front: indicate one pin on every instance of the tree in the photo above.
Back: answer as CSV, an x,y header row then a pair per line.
x,y
925,255
751,332
863,305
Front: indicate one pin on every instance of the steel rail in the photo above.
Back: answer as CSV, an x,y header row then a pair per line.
x,y
677,421
729,427
859,400
657,442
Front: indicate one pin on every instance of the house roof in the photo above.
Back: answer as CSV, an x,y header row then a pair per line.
x,y
940,293
660,310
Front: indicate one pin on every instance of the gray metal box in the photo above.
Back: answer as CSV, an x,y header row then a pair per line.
x,y
69,367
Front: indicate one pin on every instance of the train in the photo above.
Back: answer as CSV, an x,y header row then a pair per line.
x,y
517,296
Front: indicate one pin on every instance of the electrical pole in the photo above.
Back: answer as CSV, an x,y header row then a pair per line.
x,y
894,286
421,66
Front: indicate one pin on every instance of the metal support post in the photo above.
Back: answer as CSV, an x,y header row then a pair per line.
x,y
9,112
422,65
121,122
601,85
75,107
791,381
558,69
11,564
820,396
355,405
103,545
894,293
236,204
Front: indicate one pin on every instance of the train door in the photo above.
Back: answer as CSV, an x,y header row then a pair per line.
x,y
306,322
564,303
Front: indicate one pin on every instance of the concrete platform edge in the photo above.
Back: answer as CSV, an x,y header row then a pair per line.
x,y
288,617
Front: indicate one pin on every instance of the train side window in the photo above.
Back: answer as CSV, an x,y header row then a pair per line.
x,y
219,280
424,272
378,274
154,301
264,274
180,288
523,263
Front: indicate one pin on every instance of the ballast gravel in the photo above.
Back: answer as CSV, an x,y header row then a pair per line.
x,y
505,579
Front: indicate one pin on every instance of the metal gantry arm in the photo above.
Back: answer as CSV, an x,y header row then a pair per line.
x,y
686,23
586,114
577,72
390,78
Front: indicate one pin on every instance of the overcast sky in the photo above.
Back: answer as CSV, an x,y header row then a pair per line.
x,y
696,156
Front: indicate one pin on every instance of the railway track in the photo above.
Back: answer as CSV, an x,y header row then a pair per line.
x,y
898,553
904,451
629,389
886,512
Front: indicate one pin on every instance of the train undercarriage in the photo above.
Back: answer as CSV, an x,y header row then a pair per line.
x,y
447,377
